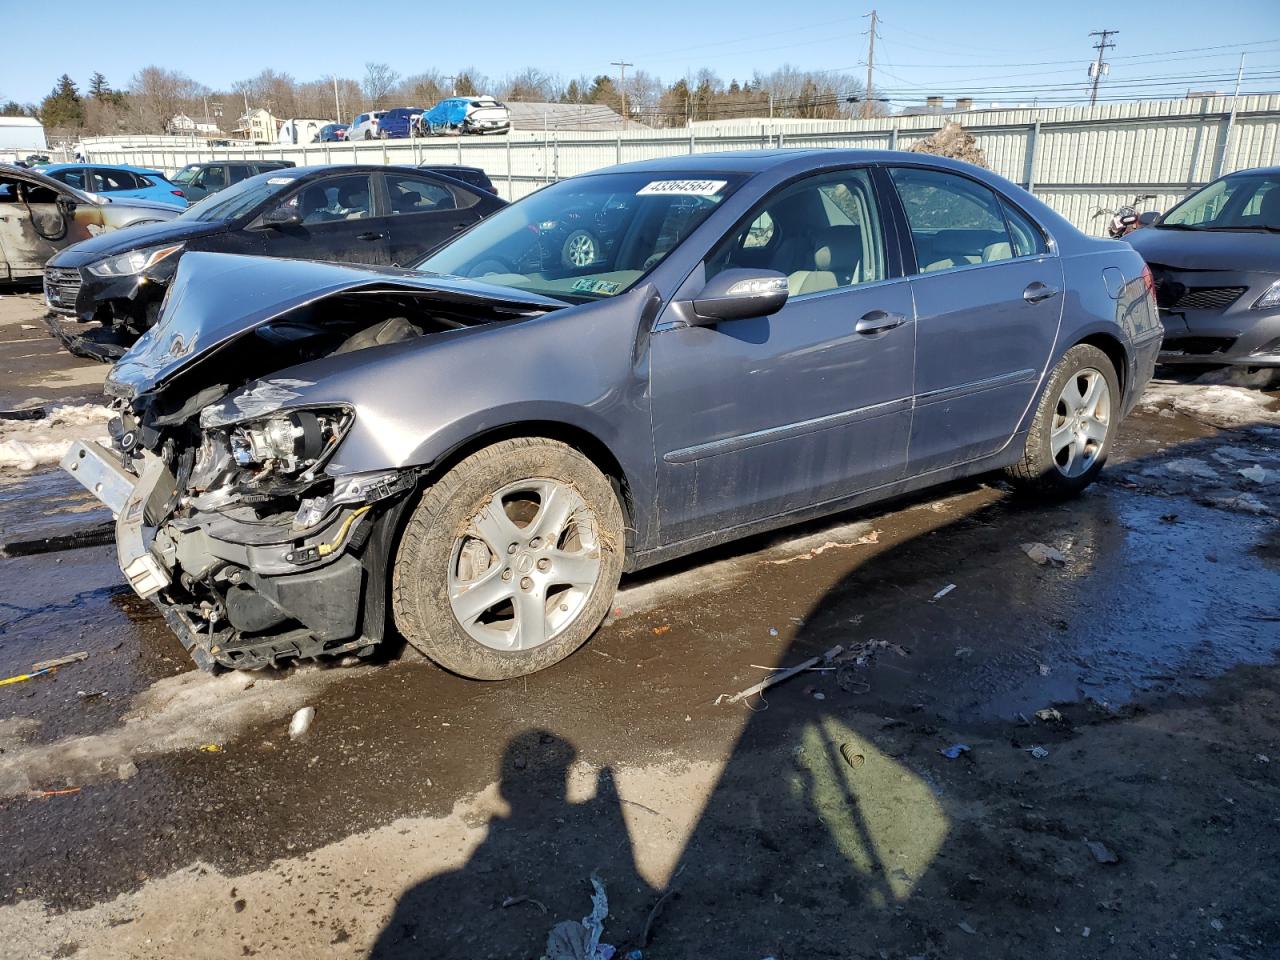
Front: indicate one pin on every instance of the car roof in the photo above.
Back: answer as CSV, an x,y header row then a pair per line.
x,y
102,166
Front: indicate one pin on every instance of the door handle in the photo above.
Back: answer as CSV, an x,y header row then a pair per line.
x,y
1037,292
369,236
459,227
878,321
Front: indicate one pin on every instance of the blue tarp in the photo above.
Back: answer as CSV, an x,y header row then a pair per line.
x,y
446,114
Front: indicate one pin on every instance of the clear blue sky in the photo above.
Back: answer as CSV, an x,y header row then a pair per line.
x,y
942,47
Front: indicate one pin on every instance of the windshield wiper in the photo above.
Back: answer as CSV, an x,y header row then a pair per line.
x,y
1178,226
1246,228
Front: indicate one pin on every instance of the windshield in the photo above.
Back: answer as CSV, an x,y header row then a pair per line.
x,y
1245,201
186,173
586,238
239,198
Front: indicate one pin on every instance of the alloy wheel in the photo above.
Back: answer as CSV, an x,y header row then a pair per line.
x,y
525,565
1081,420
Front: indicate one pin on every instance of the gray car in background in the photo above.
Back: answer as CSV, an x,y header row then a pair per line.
x,y
478,448
1216,262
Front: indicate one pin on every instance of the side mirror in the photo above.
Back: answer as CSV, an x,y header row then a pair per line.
x,y
1147,218
739,295
282,216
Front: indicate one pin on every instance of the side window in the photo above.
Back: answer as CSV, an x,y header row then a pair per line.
x,y
409,194
240,171
213,178
108,181
1027,238
339,198
823,233
760,233
73,178
954,221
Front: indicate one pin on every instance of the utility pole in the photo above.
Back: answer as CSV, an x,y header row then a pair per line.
x,y
1098,65
871,59
453,85
337,104
622,83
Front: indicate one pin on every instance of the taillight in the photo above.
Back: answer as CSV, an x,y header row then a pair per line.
x,y
1149,281
178,193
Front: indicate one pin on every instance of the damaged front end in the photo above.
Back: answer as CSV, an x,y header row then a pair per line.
x,y
230,513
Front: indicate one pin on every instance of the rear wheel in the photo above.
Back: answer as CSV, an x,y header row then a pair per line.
x,y
510,561
1074,425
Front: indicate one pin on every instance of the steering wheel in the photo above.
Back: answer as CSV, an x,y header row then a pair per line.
x,y
490,265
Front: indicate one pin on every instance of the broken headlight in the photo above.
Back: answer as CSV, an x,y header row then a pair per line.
x,y
288,442
134,262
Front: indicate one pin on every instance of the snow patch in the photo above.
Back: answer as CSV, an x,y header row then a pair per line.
x,y
28,444
1217,405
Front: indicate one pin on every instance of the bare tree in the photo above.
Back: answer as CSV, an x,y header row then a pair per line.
x,y
530,85
156,95
423,89
379,81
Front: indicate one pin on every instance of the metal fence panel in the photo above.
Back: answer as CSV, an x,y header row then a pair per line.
x,y
1082,161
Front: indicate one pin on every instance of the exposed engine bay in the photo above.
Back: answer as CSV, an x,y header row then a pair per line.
x,y
226,516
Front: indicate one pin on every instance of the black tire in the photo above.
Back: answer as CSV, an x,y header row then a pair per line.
x,y
420,598
1038,472
368,135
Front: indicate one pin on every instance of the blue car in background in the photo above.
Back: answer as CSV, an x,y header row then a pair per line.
x,y
395,124
114,181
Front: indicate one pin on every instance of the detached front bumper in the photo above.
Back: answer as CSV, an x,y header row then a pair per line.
x,y
244,595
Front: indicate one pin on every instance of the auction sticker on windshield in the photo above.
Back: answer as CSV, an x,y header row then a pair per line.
x,y
682,188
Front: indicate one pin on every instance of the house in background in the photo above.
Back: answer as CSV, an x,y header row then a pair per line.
x,y
257,125
181,123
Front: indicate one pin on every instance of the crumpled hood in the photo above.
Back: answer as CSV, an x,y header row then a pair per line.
x,y
1243,251
216,297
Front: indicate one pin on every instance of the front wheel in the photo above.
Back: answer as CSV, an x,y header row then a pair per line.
x,y
510,561
1073,427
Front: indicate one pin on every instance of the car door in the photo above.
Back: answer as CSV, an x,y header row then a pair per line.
x,y
118,182
423,212
209,180
34,225
339,222
988,298
768,416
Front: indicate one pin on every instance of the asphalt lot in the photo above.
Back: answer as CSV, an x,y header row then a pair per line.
x,y
427,816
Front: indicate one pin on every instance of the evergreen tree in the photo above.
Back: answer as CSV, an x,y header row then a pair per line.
x,y
63,106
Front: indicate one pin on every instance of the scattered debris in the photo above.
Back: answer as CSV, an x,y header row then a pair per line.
x,y
944,591
301,721
1038,752
1216,924
966,928
872,537
210,748
1255,473
22,677
33,413
963,651
1045,670
648,923
1085,932
60,661
773,631
1101,852
659,631
42,794
1044,554
1049,715
954,751
1169,518
570,940
1261,758
512,901
851,757
780,676
96,535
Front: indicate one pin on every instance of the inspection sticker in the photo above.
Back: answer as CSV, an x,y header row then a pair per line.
x,y
278,180
682,188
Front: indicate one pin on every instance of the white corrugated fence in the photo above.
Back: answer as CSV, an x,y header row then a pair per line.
x,y
1082,161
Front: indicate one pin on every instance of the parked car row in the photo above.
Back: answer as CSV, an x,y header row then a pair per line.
x,y
450,117
358,214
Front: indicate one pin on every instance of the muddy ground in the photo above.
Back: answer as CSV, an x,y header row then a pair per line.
x,y
431,817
